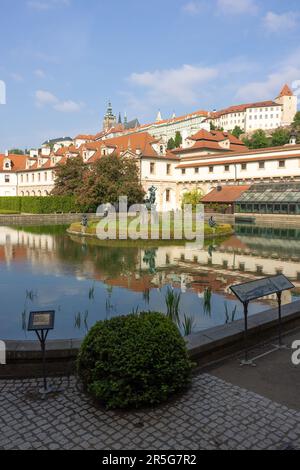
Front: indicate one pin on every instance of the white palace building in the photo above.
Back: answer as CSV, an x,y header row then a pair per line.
x,y
207,159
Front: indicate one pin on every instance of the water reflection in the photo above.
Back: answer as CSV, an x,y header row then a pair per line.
x,y
43,267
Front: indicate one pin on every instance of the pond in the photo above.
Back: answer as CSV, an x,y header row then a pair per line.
x,y
45,268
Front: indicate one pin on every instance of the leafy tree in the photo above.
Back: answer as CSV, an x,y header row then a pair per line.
x,y
258,140
171,144
296,122
213,127
16,152
69,177
178,140
109,178
280,137
237,132
193,197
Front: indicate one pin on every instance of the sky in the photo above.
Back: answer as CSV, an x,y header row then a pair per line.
x,y
62,60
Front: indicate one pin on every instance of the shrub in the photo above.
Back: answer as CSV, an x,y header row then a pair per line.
x,y
39,205
134,361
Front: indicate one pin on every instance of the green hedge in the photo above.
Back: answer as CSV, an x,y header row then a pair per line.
x,y
39,205
134,361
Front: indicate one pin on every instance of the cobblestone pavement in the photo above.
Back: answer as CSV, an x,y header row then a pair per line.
x,y
212,415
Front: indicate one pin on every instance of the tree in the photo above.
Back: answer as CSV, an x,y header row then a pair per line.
x,y
69,177
296,122
237,132
193,197
108,179
258,140
16,152
171,144
280,137
178,140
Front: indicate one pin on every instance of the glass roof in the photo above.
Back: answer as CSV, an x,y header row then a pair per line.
x,y
272,193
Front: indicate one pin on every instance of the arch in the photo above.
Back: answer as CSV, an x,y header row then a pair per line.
x,y
46,193
27,193
22,193
39,193
32,193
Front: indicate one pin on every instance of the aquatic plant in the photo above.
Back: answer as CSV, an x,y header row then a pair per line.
x,y
188,325
92,293
207,301
172,299
230,317
31,295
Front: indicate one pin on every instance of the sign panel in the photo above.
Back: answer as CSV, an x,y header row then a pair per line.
x,y
261,288
41,321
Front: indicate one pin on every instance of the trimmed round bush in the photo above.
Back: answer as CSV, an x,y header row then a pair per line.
x,y
134,361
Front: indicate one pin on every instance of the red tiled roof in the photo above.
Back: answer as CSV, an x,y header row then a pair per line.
x,y
227,194
242,108
18,162
286,91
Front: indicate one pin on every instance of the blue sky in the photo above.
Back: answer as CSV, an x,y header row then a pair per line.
x,y
61,60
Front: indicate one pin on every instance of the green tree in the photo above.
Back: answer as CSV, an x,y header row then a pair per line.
x,y
171,144
16,152
280,137
258,140
193,197
296,122
109,178
69,177
237,132
178,140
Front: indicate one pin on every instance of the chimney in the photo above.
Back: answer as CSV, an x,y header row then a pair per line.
x,y
6,153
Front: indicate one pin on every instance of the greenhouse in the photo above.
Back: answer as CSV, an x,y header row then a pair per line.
x,y
283,198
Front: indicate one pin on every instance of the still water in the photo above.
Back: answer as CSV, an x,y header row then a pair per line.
x,y
45,268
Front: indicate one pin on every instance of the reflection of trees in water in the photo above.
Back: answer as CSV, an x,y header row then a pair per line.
x,y
150,259
112,261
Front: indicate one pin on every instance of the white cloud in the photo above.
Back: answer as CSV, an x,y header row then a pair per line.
x,y
182,85
276,23
237,7
68,106
17,77
42,5
40,73
287,71
193,8
46,98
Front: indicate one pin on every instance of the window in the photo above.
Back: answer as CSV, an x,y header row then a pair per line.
x,y
281,164
32,177
7,178
227,168
22,178
152,168
7,165
211,169
45,176
27,177
183,171
39,176
168,169
261,165
196,171
167,195
244,166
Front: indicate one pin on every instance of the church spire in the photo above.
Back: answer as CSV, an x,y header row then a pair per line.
x,y
120,119
159,116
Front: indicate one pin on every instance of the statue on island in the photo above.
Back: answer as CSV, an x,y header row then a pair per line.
x,y
151,199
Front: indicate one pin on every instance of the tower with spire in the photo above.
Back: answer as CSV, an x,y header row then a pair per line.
x,y
289,102
110,119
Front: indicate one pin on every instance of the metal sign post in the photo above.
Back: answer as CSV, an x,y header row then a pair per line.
x,y
254,290
41,323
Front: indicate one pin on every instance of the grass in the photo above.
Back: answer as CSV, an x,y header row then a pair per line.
x,y
221,230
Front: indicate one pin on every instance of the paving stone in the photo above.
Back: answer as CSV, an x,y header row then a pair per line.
x,y
213,414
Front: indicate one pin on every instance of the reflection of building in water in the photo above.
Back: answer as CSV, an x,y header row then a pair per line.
x,y
188,268
18,245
